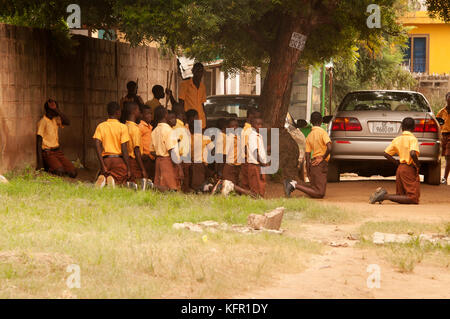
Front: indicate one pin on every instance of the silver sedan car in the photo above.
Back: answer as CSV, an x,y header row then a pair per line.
x,y
367,121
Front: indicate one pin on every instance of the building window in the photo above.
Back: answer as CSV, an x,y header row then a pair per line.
x,y
416,54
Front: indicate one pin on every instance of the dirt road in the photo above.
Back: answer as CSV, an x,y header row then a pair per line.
x,y
341,272
353,193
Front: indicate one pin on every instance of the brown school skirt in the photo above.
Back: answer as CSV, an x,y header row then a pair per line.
x,y
318,178
56,161
166,174
198,175
408,182
136,172
231,173
185,186
445,144
243,176
149,166
117,169
257,180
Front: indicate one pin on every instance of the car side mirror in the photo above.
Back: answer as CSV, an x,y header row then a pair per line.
x,y
327,119
440,120
301,124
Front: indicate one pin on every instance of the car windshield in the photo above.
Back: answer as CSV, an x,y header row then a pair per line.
x,y
229,107
384,101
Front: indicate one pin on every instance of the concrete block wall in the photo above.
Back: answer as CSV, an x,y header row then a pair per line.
x,y
83,84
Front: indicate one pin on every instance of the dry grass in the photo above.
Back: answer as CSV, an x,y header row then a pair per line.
x,y
405,256
126,248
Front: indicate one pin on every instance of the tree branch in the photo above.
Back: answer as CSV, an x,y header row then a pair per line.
x,y
259,39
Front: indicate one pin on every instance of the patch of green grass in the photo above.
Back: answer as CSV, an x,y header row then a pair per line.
x,y
400,227
405,256
126,247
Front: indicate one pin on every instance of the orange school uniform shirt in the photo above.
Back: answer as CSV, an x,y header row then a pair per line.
x,y
316,142
135,138
443,113
402,146
112,134
146,138
48,130
163,140
193,98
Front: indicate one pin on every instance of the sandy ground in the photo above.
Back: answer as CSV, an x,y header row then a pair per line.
x,y
341,272
353,194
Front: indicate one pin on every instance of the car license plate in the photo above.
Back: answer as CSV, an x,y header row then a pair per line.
x,y
384,127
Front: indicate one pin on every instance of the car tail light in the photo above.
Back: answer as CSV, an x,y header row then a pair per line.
x,y
427,144
346,124
428,126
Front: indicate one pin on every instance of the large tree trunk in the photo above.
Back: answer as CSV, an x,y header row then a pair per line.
x,y
276,92
276,95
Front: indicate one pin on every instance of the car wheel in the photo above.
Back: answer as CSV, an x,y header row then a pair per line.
x,y
433,173
333,172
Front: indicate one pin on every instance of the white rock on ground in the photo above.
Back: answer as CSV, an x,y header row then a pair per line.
x,y
3,180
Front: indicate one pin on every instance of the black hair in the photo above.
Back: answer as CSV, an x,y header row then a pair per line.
x,y
316,118
256,118
197,65
160,113
222,123
408,124
145,108
447,95
128,107
47,107
157,89
250,111
112,108
131,86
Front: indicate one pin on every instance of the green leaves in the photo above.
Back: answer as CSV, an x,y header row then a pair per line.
x,y
439,9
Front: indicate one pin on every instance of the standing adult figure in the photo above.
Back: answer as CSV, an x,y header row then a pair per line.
x,y
192,95
131,96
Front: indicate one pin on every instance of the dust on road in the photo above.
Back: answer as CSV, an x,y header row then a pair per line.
x,y
341,272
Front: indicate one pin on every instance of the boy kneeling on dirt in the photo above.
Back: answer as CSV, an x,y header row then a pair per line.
x,y
407,178
318,142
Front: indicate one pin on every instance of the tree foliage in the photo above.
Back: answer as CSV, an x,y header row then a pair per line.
x,y
370,71
439,9
246,32
243,33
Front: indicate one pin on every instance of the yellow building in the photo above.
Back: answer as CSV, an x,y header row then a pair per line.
x,y
429,44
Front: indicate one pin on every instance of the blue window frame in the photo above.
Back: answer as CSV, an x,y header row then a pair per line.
x,y
415,55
